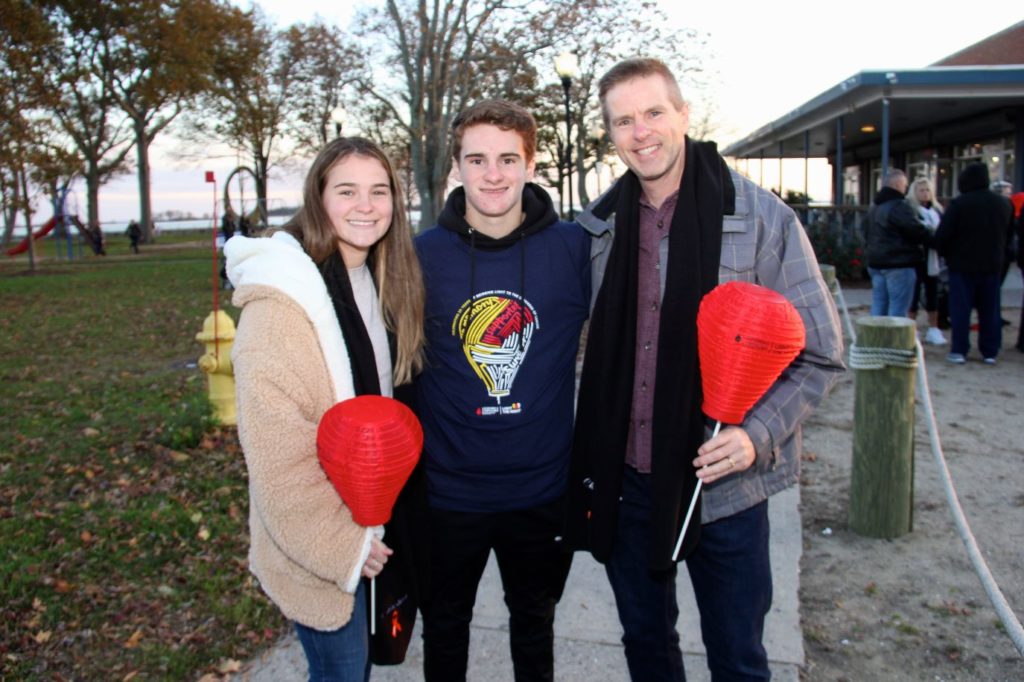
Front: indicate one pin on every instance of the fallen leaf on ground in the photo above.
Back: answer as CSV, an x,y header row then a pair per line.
x,y
229,665
133,641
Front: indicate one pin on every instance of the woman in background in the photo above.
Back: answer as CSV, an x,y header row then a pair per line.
x,y
332,307
929,211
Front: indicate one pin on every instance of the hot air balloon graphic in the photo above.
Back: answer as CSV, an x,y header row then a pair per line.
x,y
496,328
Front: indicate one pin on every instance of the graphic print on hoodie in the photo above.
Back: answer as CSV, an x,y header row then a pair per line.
x,y
496,396
496,328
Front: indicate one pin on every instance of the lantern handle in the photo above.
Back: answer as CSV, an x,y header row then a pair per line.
x,y
373,606
693,503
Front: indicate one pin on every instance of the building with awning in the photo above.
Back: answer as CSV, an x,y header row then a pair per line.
x,y
929,122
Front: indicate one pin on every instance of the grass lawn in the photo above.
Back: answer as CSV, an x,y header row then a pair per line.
x,y
123,506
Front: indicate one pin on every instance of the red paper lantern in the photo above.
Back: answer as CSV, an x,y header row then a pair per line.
x,y
746,335
368,446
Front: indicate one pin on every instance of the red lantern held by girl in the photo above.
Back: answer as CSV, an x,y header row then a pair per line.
x,y
368,446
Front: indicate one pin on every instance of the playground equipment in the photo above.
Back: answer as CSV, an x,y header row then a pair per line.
x,y
60,225
258,216
22,246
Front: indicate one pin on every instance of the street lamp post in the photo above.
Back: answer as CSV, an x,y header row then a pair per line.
x,y
567,68
338,115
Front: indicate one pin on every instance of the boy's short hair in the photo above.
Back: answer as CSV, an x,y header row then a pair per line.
x,y
500,113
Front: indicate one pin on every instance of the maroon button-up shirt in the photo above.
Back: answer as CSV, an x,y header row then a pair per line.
x,y
654,226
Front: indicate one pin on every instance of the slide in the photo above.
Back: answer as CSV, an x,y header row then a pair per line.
x,y
41,232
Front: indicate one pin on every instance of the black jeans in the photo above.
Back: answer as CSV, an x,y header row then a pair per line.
x,y
533,570
732,581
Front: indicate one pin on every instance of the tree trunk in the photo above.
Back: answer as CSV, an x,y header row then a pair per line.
x,y
882,480
27,206
10,215
92,194
142,143
262,162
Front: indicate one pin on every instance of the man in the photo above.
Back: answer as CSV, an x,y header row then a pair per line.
x,y
974,238
508,289
673,227
894,240
134,233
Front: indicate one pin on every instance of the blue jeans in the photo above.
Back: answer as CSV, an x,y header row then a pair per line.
x,y
892,290
341,655
981,291
731,575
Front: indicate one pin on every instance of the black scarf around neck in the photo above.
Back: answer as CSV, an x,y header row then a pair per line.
x,y
606,385
357,340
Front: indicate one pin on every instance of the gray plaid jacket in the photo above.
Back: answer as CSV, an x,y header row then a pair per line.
x,y
763,243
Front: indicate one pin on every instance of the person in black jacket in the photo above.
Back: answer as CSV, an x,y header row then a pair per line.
x,y
973,238
895,238
1020,264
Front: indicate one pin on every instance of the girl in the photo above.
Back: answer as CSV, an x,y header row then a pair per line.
x,y
332,307
921,197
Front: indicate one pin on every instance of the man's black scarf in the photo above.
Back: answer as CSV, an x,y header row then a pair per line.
x,y
606,386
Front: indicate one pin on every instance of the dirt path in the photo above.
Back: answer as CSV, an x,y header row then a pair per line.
x,y
913,608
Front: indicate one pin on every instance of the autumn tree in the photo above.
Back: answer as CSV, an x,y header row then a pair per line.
x,y
25,38
443,53
69,76
325,61
153,58
249,104
605,33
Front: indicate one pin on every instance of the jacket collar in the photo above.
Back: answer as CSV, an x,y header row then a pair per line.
x,y
280,264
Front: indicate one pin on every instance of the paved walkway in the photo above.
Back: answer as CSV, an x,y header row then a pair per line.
x,y
587,631
587,645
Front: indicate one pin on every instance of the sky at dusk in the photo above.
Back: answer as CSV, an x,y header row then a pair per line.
x,y
770,58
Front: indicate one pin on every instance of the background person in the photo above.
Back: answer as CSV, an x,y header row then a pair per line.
x,y
332,307
895,238
921,198
973,237
134,232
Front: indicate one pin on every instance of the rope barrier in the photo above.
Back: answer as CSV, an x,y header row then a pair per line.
x,y
880,358
838,293
1006,615
876,358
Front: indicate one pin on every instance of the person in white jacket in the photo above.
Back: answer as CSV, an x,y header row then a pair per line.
x,y
921,198
332,307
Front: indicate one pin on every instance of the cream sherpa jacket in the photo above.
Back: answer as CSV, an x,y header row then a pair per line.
x,y
291,366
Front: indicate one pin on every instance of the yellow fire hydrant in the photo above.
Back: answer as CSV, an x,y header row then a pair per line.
x,y
219,335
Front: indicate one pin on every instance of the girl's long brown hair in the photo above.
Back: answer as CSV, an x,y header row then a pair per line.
x,y
396,269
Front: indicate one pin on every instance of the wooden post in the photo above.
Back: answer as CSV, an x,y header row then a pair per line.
x,y
882,480
828,273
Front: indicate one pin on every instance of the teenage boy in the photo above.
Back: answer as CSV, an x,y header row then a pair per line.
x,y
508,290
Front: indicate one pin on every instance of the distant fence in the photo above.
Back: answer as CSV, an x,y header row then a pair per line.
x,y
837,235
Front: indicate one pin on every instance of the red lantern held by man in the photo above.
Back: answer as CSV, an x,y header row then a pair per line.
x,y
746,337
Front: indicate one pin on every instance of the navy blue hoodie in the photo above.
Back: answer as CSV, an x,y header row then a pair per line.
x,y
503,320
